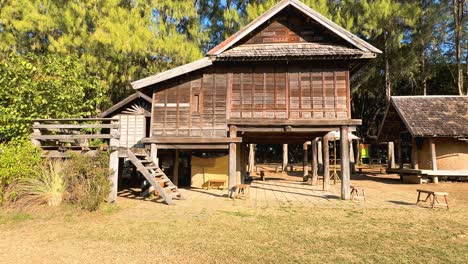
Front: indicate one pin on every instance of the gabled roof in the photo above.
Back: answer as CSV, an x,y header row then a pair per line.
x,y
124,102
429,116
292,51
306,10
362,50
175,72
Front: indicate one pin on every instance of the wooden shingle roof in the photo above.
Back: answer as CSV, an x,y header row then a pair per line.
x,y
291,51
430,116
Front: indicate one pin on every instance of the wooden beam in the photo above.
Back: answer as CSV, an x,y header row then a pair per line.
x,y
302,122
191,140
285,157
304,161
73,126
193,146
282,129
74,119
73,137
414,154
345,170
326,164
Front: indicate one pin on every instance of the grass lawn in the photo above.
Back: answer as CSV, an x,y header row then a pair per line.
x,y
220,231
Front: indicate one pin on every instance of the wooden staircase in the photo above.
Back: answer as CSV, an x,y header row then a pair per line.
x,y
155,176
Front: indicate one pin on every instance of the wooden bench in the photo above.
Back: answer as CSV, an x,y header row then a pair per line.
x,y
433,196
355,190
215,181
242,190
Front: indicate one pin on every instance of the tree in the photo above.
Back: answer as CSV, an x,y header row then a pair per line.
x,y
44,87
458,18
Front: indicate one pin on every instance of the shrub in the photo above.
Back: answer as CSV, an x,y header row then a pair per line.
x,y
87,179
18,160
47,188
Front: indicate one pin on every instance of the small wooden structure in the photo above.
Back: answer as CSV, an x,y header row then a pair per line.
x,y
433,197
433,130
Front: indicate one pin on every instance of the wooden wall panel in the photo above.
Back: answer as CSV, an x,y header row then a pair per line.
x,y
175,113
294,92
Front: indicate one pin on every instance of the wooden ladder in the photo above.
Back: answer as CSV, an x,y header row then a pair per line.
x,y
155,176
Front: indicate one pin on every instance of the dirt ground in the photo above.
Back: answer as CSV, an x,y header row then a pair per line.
x,y
283,221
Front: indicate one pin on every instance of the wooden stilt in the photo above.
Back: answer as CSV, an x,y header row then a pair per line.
x,y
414,154
305,166
314,162
154,154
320,156
391,155
352,161
400,155
326,165
251,158
114,166
432,148
243,168
175,176
232,161
345,170
285,157
238,163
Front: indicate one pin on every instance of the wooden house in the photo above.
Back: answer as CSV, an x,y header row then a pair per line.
x,y
433,130
284,78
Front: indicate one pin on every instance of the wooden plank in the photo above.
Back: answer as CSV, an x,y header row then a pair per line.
x,y
73,126
311,122
191,140
193,146
74,119
345,170
73,137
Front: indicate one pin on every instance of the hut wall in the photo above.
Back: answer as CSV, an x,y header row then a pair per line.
x,y
452,154
201,104
132,129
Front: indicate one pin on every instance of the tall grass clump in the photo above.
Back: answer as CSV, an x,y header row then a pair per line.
x,y
47,189
18,160
87,177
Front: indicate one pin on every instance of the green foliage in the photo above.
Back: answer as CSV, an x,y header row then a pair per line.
x,y
48,86
87,179
48,188
18,160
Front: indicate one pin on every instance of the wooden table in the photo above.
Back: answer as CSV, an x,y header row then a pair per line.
x,y
216,181
433,196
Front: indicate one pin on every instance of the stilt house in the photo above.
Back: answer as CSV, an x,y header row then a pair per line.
x,y
283,78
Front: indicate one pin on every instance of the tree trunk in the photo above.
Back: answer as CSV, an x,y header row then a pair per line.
x,y
388,84
458,19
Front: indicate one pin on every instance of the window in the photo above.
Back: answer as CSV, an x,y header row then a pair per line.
x,y
196,107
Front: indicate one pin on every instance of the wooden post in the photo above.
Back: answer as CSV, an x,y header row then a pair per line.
x,y
232,161
304,160
352,161
320,156
400,155
326,165
414,154
114,163
251,158
175,176
314,162
154,154
36,132
238,163
345,172
391,156
432,148
285,157
243,168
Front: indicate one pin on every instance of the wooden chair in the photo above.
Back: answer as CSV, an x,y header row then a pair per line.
x,y
242,190
355,190
433,197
